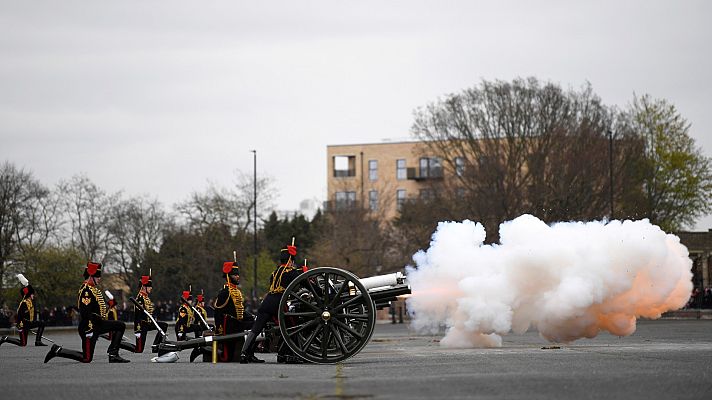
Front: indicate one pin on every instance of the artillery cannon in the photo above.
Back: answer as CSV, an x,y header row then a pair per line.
x,y
326,315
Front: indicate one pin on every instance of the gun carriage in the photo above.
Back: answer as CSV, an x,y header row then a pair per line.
x,y
326,315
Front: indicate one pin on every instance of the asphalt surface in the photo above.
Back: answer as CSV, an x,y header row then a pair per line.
x,y
664,359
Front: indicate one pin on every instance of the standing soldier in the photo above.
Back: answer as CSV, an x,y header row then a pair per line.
x,y
26,317
93,311
142,324
184,323
282,276
230,313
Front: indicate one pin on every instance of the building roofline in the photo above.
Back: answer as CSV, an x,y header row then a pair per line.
x,y
377,143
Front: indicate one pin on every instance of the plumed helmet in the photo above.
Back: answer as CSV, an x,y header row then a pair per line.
x,y
288,252
92,269
230,267
186,295
146,281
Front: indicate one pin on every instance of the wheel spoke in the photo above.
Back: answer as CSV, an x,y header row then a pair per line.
x,y
325,343
353,316
348,303
311,287
299,328
339,339
338,293
311,338
348,329
312,306
327,287
301,314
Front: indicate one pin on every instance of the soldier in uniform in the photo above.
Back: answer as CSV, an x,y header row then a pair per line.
x,y
185,322
26,317
142,324
230,313
112,314
200,306
93,310
282,276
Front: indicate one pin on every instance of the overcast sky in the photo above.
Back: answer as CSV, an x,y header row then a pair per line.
x,y
160,97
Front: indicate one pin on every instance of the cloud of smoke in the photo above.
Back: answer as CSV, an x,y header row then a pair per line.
x,y
569,280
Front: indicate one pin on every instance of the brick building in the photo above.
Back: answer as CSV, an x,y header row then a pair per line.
x,y
381,176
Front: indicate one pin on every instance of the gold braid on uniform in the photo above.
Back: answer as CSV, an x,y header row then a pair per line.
x,y
147,303
30,311
276,286
103,309
236,296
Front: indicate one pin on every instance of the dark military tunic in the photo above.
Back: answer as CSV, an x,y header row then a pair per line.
x,y
185,322
231,317
142,324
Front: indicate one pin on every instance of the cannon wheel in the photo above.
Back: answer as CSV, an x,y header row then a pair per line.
x,y
326,315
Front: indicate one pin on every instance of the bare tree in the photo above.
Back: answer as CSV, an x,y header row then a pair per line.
x,y
41,220
17,188
359,237
136,228
232,207
88,211
524,147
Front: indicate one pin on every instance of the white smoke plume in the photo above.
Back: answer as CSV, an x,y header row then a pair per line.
x,y
569,280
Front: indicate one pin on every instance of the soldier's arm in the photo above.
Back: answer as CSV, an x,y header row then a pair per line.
x,y
222,299
139,316
23,312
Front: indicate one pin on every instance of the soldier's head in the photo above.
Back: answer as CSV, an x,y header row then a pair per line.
x,y
200,298
231,271
92,272
27,291
187,296
146,283
287,254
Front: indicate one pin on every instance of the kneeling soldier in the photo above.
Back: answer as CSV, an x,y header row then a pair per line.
x,y
93,323
26,317
142,324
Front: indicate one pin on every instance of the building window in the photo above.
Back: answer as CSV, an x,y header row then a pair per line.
x,y
426,195
459,166
431,167
344,166
400,198
373,170
373,200
401,172
345,200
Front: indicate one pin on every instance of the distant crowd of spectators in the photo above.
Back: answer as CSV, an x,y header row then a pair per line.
x,y
700,298
69,315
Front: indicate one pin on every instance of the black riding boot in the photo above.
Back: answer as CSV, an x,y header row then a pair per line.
x,y
7,339
248,350
40,332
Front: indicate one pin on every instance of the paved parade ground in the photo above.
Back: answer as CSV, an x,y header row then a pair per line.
x,y
664,359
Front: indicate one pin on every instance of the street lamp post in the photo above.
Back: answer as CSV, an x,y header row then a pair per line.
x,y
254,228
610,170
